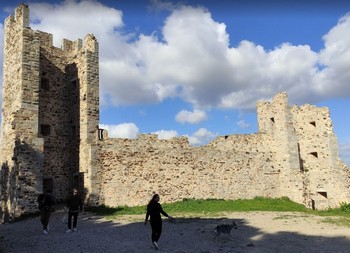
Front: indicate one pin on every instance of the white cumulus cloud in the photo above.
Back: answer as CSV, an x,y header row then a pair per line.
x,y
333,79
166,134
125,130
201,136
191,58
193,117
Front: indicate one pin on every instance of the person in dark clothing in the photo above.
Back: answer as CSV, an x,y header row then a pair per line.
x,y
46,200
154,209
74,206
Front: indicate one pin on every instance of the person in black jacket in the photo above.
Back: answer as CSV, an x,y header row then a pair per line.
x,y
154,209
46,200
74,206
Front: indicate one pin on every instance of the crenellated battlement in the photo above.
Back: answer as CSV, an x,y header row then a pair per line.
x,y
20,18
69,46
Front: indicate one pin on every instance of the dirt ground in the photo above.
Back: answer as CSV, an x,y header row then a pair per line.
x,y
263,232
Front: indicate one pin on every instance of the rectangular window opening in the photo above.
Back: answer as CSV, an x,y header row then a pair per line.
x,y
322,193
314,154
45,130
44,84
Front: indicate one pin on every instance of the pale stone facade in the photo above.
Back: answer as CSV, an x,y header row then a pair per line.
x,y
51,140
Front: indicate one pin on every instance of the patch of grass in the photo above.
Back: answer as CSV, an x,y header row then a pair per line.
x,y
113,211
343,210
210,207
288,216
214,207
339,221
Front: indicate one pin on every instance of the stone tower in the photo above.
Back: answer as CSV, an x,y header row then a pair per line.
x,y
50,115
306,150
276,120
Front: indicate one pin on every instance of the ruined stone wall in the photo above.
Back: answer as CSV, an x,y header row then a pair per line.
x,y
132,170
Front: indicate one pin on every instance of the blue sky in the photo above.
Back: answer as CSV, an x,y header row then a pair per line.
x,y
197,68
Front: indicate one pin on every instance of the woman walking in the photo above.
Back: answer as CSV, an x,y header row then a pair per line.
x,y
46,200
154,209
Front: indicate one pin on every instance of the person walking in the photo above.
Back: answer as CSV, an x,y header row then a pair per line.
x,y
74,206
154,209
46,200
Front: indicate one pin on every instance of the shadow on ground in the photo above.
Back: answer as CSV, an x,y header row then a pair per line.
x,y
184,235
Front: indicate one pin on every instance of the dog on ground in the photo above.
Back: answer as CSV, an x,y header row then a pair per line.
x,y
224,229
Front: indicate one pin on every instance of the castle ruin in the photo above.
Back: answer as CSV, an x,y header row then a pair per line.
x,y
51,140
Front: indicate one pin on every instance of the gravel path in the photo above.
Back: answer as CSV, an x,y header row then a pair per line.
x,y
258,232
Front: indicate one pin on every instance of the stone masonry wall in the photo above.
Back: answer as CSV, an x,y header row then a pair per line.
x,y
275,120
50,114
326,184
21,155
307,150
132,170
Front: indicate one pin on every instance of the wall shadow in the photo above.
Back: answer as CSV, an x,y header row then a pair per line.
x,y
183,235
17,182
59,110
